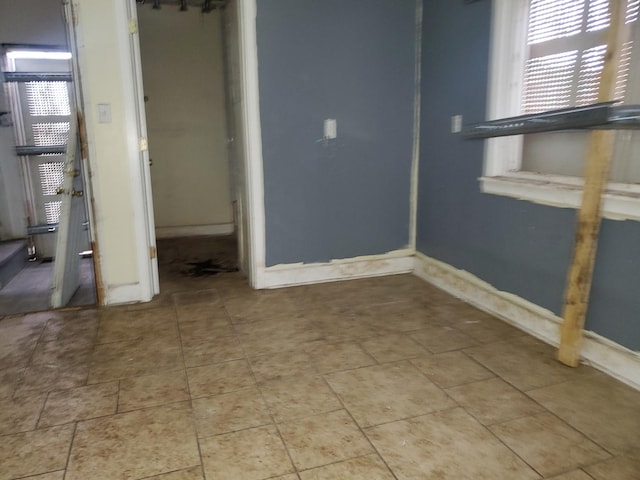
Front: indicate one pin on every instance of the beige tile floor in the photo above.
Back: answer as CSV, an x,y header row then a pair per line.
x,y
377,379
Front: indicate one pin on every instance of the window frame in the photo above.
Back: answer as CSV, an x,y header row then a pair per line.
x,y
503,155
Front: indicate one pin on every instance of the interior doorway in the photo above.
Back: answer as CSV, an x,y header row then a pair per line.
x,y
186,80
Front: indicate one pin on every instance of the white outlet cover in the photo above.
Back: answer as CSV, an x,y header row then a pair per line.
x,y
330,128
456,124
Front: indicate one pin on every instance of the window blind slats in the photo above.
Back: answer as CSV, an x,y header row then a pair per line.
x,y
591,65
633,8
566,53
548,82
599,17
550,19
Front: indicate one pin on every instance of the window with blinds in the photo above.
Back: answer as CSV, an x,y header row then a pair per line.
x,y
565,49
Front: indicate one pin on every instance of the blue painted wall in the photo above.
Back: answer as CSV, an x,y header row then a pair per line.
x,y
516,246
353,61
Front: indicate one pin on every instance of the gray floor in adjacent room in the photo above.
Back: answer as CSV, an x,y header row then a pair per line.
x,y
30,290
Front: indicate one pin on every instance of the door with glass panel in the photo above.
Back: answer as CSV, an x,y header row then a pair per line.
x,y
40,85
45,123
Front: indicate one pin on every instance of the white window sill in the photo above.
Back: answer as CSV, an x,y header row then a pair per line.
x,y
621,201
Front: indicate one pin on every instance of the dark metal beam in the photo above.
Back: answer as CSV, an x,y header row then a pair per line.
x,y
26,150
37,77
565,119
42,229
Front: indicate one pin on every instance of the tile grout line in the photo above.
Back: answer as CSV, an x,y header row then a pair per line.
x,y
357,457
526,394
94,346
28,363
296,471
47,392
565,422
271,414
490,432
151,477
73,439
545,410
384,460
194,424
587,473
44,404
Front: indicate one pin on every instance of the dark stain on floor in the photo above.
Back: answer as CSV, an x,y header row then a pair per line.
x,y
208,267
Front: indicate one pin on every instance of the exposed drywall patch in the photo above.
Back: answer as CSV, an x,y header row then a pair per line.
x,y
391,263
128,293
533,319
339,261
603,354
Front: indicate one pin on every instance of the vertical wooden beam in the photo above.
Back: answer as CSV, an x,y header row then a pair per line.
x,y
600,153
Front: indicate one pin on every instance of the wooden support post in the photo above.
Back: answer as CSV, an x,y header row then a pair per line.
x,y
599,157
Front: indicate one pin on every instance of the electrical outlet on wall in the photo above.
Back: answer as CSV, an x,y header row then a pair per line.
x,y
330,128
456,124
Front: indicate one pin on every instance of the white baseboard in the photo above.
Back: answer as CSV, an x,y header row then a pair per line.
x,y
597,351
194,230
400,261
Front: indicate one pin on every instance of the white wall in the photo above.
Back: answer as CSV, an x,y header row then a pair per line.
x,y
24,22
182,65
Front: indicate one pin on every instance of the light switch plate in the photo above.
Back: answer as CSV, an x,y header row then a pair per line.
x,y
104,113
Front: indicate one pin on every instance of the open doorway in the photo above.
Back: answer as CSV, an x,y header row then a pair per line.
x,y
37,104
185,63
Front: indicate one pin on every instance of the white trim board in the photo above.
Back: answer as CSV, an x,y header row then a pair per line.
x,y
599,352
415,162
252,138
288,275
194,230
144,161
128,293
620,201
